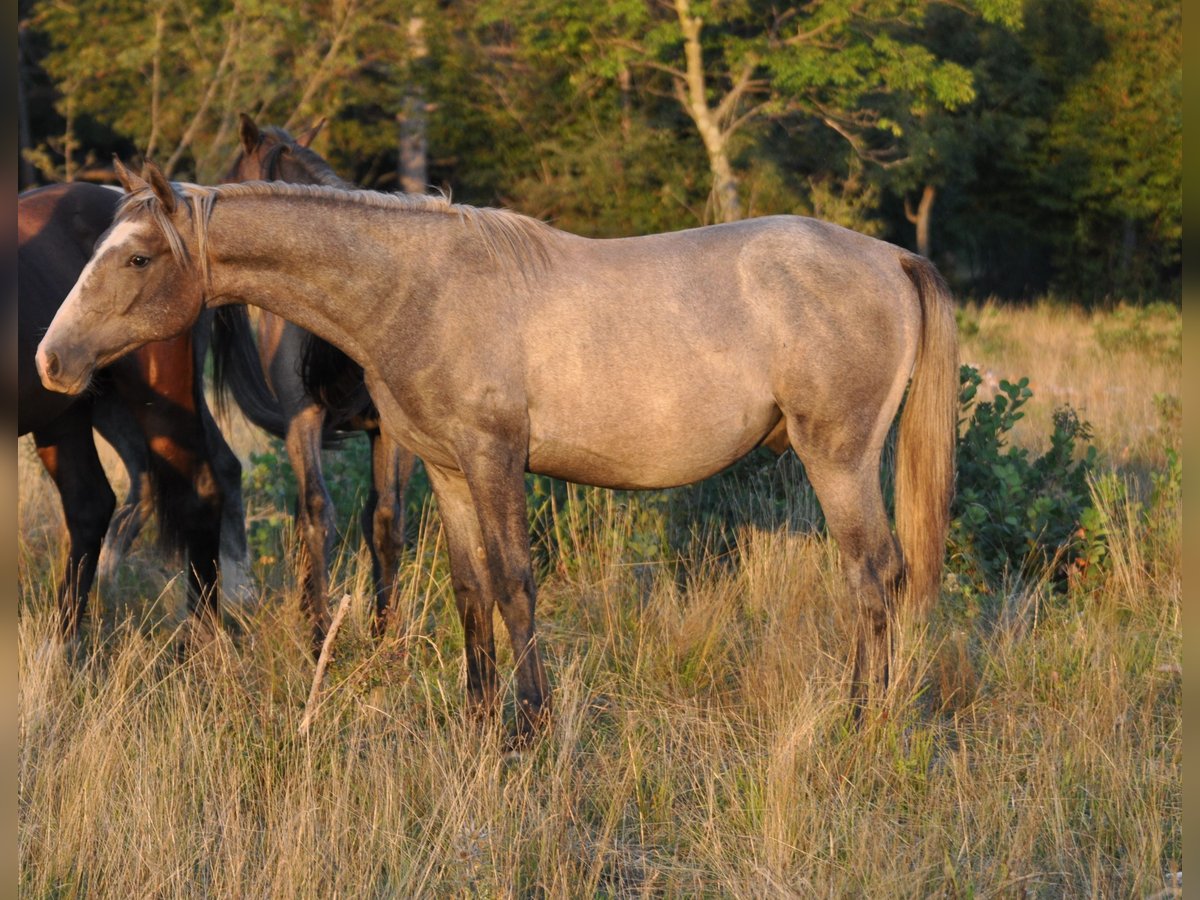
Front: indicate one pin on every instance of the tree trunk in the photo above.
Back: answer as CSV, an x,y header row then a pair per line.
x,y
68,143
413,168
693,96
625,84
921,217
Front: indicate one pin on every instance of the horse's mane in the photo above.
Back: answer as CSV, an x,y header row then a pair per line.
x,y
507,236
316,165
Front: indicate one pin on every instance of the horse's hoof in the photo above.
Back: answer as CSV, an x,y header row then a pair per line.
x,y
108,564
525,734
237,584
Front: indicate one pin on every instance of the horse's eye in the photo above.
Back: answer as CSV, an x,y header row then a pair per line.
x,y
138,261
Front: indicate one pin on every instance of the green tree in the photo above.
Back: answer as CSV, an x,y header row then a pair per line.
x,y
172,77
857,68
1116,145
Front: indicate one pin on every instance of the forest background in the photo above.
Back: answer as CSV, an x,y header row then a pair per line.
x,y
1028,147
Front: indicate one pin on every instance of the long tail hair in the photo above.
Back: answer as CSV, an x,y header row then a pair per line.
x,y
238,371
335,381
928,431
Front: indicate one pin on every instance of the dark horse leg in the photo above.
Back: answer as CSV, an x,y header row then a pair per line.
x,y
488,504
383,520
226,470
314,515
119,426
188,497
68,451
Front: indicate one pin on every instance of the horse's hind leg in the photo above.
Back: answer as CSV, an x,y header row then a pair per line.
x,y
383,520
314,516
113,419
469,576
69,455
852,501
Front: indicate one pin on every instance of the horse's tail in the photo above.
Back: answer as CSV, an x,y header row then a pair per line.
x,y
335,381
928,431
238,371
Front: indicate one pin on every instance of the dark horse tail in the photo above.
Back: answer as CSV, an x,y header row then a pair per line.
x,y
335,381
329,376
238,371
928,430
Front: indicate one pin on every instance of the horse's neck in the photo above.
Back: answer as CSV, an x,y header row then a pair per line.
x,y
329,268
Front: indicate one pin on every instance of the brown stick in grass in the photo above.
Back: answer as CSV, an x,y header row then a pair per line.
x,y
310,707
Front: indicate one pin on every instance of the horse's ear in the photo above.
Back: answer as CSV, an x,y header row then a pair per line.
x,y
128,180
249,133
162,188
311,135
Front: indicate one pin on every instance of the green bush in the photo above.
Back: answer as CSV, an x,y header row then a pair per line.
x,y
1015,515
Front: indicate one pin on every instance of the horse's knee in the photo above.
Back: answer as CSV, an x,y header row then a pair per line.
x,y
317,518
388,529
468,592
87,522
228,468
210,496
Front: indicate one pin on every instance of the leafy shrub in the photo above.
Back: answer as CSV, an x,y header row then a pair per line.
x,y
269,485
1014,514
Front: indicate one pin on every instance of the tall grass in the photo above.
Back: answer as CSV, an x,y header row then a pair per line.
x,y
700,742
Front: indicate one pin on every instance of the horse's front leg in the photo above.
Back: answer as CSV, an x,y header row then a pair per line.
x,y
118,425
496,474
383,520
469,576
68,452
314,516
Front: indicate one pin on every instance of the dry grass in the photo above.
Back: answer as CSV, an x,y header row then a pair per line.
x,y
700,742
1109,365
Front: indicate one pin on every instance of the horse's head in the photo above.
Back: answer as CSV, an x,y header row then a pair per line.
x,y
271,154
144,282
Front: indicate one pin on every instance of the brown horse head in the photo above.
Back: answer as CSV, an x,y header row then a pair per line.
x,y
143,283
272,154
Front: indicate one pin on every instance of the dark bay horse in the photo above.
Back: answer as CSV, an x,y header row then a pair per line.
x,y
493,345
149,405
299,387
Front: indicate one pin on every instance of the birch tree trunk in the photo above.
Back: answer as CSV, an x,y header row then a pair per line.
x,y
921,218
414,151
692,93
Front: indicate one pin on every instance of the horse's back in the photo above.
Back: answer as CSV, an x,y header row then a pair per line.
x,y
673,355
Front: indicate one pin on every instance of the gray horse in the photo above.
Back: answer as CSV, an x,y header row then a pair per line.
x,y
494,344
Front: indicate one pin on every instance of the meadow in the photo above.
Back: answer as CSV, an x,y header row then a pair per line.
x,y
698,645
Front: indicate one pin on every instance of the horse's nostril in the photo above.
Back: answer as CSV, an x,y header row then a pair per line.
x,y
52,365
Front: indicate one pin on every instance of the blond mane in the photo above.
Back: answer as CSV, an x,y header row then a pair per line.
x,y
507,236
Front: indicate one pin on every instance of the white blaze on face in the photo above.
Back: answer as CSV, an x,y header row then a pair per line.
x,y
67,312
115,238
70,324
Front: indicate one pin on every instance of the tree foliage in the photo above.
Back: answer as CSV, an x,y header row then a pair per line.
x,y
1024,145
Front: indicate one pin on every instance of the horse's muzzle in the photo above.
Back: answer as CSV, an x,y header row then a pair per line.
x,y
54,376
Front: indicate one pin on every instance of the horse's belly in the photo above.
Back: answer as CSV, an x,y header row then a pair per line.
x,y
645,451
